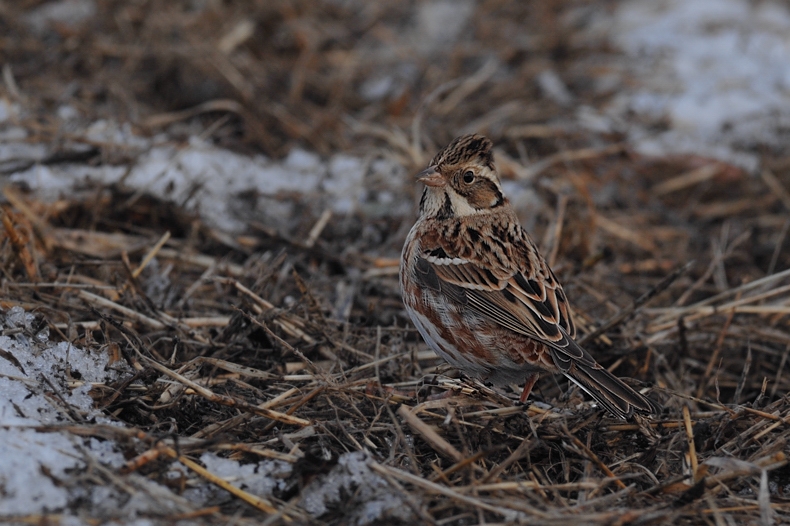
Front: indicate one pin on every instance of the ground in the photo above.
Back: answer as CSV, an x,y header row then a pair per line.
x,y
203,207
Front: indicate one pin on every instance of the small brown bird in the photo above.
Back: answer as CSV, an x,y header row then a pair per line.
x,y
480,293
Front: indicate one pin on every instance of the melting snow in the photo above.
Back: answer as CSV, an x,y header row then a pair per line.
x,y
32,463
718,71
365,495
211,180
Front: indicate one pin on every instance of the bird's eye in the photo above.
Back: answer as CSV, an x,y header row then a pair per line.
x,y
469,177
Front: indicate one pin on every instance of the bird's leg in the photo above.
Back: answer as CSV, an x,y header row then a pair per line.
x,y
531,379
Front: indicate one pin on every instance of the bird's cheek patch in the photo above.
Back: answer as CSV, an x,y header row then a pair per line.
x,y
485,195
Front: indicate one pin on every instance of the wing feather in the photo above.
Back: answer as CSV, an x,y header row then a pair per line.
x,y
530,303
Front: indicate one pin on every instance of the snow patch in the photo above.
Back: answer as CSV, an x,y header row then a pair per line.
x,y
260,479
46,384
718,72
68,13
214,182
32,463
366,496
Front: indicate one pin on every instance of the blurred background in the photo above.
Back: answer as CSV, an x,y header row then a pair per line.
x,y
579,96
697,76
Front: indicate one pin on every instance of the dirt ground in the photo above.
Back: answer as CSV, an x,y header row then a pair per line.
x,y
287,341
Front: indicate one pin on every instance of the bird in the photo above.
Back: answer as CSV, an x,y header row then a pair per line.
x,y
480,293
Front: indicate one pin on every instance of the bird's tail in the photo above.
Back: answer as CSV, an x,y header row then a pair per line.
x,y
610,392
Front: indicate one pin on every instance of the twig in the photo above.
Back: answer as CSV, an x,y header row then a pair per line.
x,y
447,492
624,233
467,87
163,119
520,452
696,176
778,247
594,458
319,226
20,246
151,254
714,357
569,156
776,187
690,438
260,503
225,400
621,316
741,305
674,312
719,255
98,300
747,363
201,260
40,226
432,437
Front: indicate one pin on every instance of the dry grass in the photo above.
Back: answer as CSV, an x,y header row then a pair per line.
x,y
253,339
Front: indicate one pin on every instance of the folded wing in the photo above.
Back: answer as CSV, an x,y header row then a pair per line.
x,y
530,301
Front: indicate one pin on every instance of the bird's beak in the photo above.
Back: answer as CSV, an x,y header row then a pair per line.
x,y
430,177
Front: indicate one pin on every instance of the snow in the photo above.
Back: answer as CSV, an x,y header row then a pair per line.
x,y
718,71
51,470
38,468
32,462
345,180
439,23
8,110
260,479
210,180
552,86
68,13
364,494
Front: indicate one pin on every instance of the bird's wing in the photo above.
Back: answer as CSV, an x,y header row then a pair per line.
x,y
536,308
527,298
518,292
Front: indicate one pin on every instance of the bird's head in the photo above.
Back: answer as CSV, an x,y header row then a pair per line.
x,y
461,180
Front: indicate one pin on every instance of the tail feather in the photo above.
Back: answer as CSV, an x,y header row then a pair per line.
x,y
607,389
610,392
